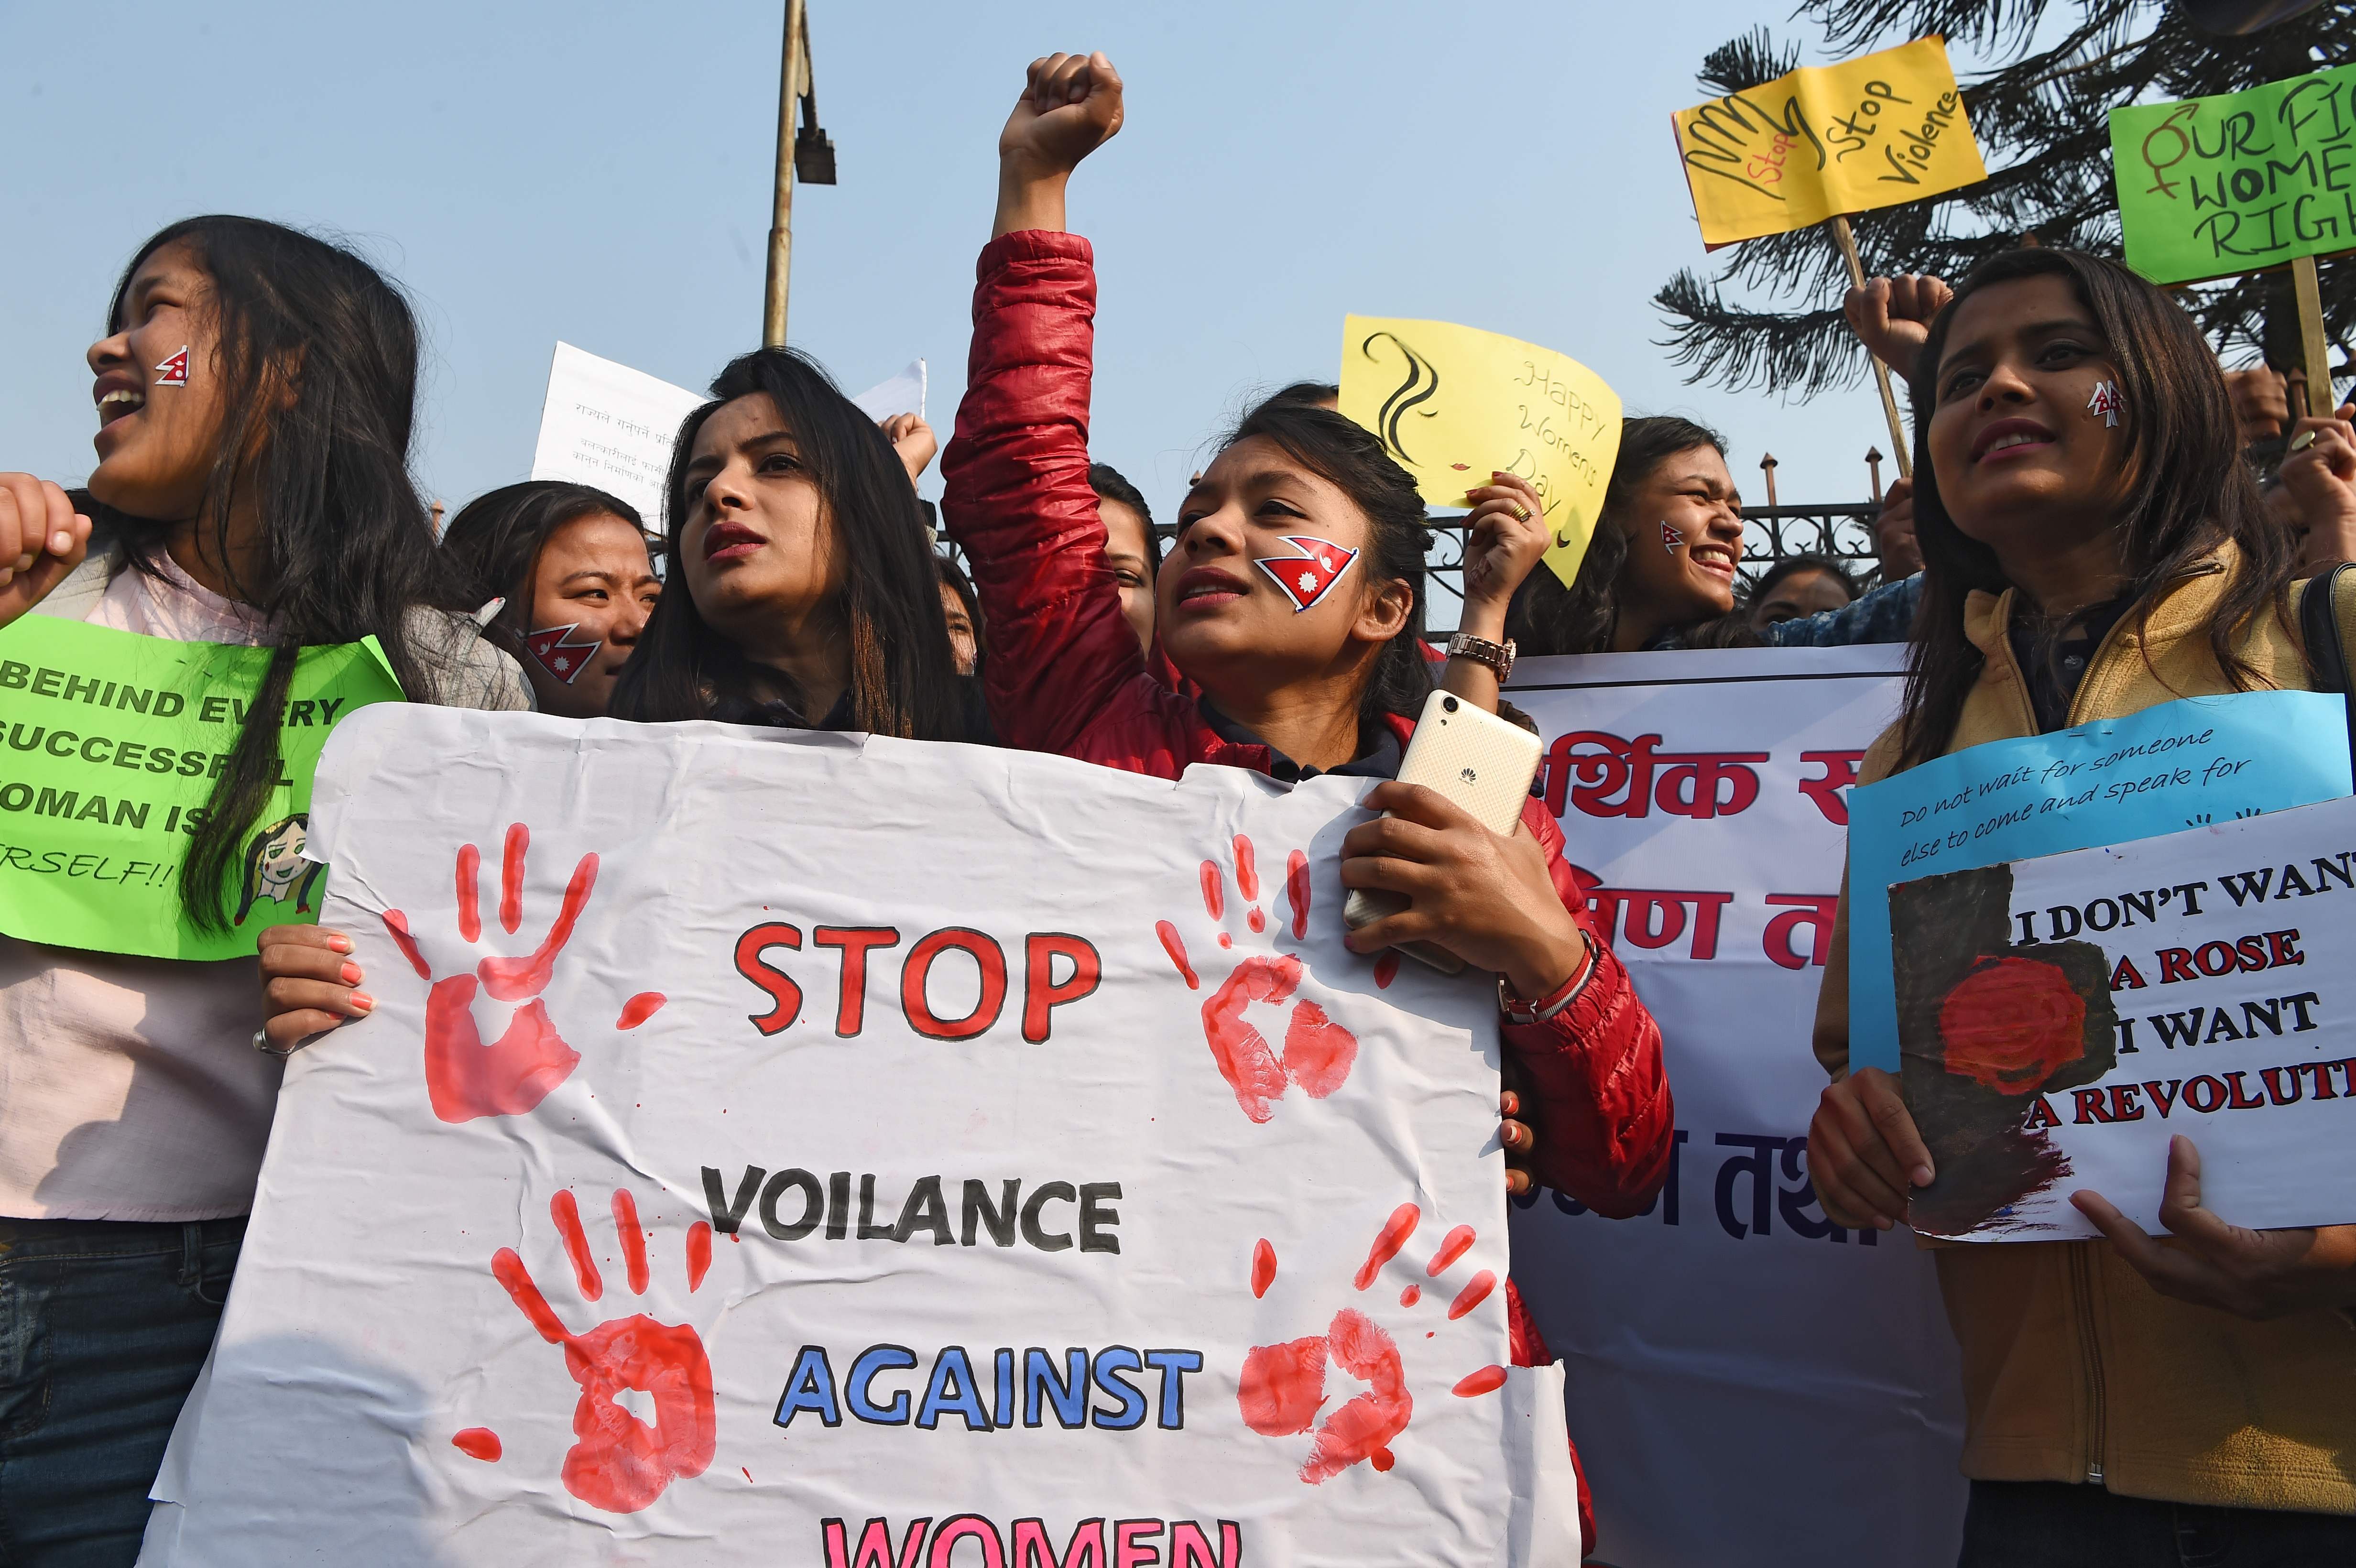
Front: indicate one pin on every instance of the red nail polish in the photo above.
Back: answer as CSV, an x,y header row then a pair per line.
x,y
351,973
363,1001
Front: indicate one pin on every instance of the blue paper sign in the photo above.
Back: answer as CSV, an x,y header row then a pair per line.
x,y
2183,763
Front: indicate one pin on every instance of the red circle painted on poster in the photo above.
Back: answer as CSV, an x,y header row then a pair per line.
x,y
2010,1024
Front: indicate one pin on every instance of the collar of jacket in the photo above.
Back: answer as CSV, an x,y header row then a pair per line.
x,y
1213,747
2182,605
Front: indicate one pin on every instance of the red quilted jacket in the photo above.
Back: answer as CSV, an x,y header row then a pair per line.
x,y
1064,674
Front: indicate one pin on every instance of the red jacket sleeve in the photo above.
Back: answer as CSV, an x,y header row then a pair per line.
x,y
1603,1116
1016,498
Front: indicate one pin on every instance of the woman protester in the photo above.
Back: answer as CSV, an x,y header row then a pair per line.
x,y
802,592
798,582
1132,549
563,572
1659,571
256,390
2127,1400
1289,678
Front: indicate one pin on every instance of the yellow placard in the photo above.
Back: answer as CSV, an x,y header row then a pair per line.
x,y
1876,130
1454,404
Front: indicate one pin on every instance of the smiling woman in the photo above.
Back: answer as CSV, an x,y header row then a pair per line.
x,y
2094,546
255,390
1663,558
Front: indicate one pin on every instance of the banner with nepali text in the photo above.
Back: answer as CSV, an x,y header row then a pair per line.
x,y
733,1172
1720,1345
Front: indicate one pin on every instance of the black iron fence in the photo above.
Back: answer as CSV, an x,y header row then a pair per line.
x,y
1843,530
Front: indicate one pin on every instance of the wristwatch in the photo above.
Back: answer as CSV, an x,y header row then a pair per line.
x,y
1498,657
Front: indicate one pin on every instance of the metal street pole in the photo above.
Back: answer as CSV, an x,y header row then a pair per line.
x,y
810,155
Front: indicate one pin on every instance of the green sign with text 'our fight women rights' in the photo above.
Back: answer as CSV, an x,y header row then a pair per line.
x,y
110,744
2209,186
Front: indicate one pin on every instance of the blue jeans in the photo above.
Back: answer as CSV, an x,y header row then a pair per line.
x,y
2052,1524
103,1327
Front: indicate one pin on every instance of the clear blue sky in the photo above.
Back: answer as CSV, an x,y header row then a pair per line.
x,y
600,173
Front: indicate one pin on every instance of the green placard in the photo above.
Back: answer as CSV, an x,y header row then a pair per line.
x,y
2211,187
109,746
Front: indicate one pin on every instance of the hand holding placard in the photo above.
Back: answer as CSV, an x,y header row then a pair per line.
x,y
1454,406
1873,131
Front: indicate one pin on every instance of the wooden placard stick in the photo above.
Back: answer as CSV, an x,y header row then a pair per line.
x,y
2307,290
1838,224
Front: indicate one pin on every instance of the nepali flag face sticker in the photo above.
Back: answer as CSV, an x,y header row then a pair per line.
x,y
1306,577
1670,539
173,372
561,659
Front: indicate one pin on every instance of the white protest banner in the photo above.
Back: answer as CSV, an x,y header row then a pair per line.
x,y
899,394
1748,1384
2059,1019
887,1154
608,425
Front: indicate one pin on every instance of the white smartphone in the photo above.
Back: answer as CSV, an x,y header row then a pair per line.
x,y
1477,760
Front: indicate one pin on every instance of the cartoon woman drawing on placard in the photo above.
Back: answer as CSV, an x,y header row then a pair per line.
x,y
275,870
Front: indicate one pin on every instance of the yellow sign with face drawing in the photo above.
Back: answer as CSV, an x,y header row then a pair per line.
x,y
1877,131
1453,405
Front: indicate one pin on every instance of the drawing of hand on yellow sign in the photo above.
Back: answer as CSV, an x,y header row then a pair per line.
x,y
1453,404
1876,130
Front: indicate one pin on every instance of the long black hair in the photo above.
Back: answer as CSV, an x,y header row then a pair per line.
x,y
2187,490
1547,617
904,678
1349,455
494,542
319,374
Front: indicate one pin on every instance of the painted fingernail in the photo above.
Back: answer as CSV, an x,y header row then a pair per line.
x,y
338,943
363,1001
351,973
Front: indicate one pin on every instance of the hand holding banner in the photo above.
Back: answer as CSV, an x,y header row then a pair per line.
x,y
1453,404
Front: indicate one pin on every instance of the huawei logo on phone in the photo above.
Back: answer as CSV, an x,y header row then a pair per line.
x,y
1467,776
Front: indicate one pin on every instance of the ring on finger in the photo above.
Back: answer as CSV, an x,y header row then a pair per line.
x,y
262,1043
1521,513
2302,441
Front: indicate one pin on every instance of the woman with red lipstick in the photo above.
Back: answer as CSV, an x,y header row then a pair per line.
x,y
800,589
2094,546
1289,600
255,389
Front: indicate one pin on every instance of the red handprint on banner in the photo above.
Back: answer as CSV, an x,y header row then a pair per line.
x,y
1318,1052
465,1078
1281,1388
620,1463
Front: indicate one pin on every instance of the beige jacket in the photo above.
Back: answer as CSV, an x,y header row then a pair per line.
x,y
2074,1369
